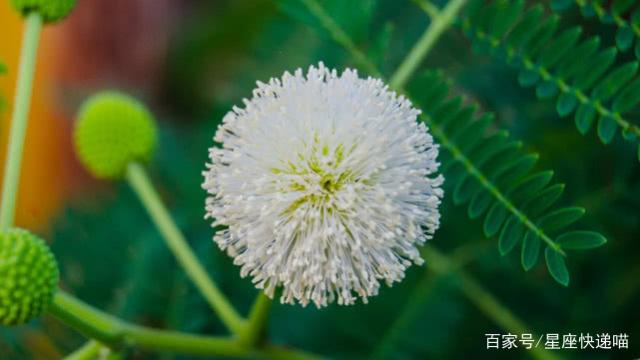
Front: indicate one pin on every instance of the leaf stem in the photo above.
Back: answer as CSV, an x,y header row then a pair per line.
x,y
257,322
24,86
139,181
438,25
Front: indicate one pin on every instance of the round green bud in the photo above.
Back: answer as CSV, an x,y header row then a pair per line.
x,y
28,277
51,10
113,130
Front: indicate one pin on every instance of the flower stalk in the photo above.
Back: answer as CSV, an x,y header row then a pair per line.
x,y
439,23
258,321
139,181
19,120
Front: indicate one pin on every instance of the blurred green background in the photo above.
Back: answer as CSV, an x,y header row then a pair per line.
x,y
206,57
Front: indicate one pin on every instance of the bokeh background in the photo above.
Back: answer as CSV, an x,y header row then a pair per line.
x,y
191,60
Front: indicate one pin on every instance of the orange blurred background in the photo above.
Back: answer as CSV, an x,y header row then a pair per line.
x,y
45,176
102,44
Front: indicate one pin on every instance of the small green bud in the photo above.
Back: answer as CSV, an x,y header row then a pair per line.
x,y
113,130
51,10
28,277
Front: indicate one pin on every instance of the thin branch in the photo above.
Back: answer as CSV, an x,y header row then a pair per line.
x,y
20,118
428,7
139,181
438,25
117,333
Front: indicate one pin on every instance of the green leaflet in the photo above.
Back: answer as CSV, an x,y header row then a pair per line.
x,y
530,251
579,74
512,233
566,104
544,199
616,14
493,174
614,81
624,38
606,129
629,97
580,240
557,267
584,118
561,218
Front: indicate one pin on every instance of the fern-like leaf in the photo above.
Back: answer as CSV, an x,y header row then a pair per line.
x,y
623,14
577,72
492,173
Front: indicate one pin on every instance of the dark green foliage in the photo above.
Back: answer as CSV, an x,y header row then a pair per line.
x,y
495,176
561,63
623,14
114,258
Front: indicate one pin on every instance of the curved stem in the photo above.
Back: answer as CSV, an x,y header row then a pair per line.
x,y
438,25
428,7
24,86
117,333
257,322
139,181
88,351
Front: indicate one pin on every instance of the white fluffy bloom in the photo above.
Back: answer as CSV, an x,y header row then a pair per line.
x,y
326,184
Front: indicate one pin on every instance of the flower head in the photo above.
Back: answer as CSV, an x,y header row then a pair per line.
x,y
112,130
28,276
326,184
51,10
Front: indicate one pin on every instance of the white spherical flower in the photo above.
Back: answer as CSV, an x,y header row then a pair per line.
x,y
326,185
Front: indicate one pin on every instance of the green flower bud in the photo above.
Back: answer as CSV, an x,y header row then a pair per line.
x,y
51,10
113,130
28,277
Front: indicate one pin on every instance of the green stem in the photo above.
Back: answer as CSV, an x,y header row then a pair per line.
x,y
284,353
420,50
117,333
340,36
24,86
88,351
482,298
257,322
428,7
87,320
141,184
